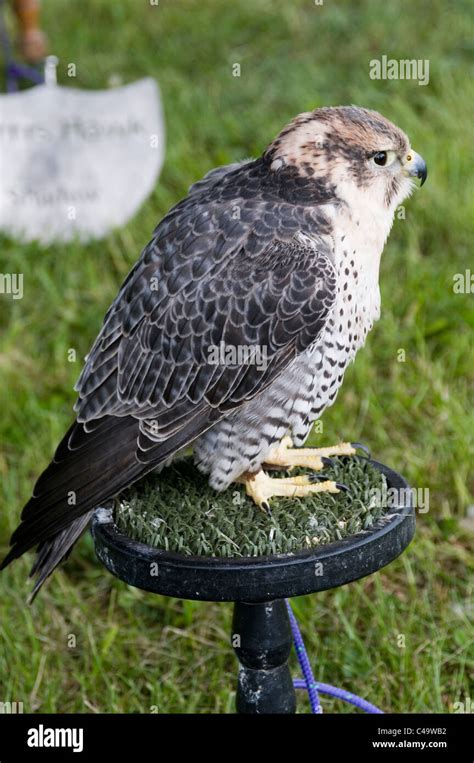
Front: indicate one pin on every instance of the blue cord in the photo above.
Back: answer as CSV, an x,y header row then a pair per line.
x,y
314,687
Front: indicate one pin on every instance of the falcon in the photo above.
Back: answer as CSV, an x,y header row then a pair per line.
x,y
274,262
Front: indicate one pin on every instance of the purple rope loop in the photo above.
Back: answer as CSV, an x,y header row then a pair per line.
x,y
314,687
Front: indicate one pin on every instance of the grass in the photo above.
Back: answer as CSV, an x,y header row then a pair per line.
x,y
178,511
400,637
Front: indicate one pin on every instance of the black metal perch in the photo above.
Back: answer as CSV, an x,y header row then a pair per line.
x,y
261,633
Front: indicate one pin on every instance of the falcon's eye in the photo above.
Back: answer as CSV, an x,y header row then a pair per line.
x,y
384,158
380,158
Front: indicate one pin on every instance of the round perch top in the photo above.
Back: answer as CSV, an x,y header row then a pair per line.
x,y
315,565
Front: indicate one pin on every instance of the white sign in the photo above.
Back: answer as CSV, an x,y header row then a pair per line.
x,y
77,163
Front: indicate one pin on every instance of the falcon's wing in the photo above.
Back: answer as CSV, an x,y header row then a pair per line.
x,y
158,361
220,272
225,266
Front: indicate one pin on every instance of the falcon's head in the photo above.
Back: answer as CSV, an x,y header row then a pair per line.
x,y
358,154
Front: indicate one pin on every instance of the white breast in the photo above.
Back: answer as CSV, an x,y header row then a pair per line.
x,y
357,251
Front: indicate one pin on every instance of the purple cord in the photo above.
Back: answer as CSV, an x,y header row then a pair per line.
x,y
346,696
312,686
305,665
15,72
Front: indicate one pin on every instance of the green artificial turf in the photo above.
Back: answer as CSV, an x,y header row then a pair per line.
x,y
403,637
178,511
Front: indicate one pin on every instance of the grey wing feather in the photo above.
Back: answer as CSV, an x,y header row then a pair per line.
x,y
164,369
214,175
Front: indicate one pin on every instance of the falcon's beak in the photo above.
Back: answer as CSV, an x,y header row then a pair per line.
x,y
415,166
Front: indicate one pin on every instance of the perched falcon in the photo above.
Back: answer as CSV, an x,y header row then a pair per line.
x,y
278,255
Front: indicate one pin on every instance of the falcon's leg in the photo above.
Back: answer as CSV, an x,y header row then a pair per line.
x,y
285,456
260,487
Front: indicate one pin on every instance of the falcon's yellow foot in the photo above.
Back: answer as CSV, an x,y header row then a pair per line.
x,y
260,487
286,456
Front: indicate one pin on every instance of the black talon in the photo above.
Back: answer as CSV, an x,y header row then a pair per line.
x,y
266,508
318,477
343,488
327,461
363,448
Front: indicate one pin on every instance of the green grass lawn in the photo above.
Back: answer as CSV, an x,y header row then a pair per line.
x,y
400,638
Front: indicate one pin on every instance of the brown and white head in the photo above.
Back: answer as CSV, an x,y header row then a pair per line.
x,y
366,160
